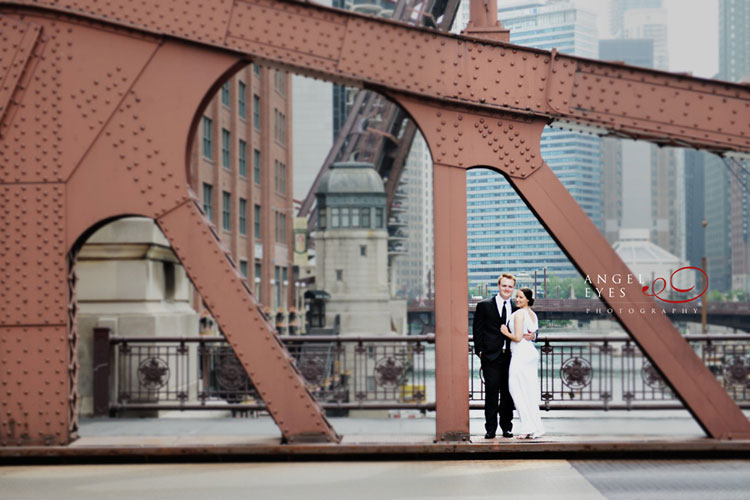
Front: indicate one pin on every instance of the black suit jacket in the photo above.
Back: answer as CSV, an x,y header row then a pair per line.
x,y
488,341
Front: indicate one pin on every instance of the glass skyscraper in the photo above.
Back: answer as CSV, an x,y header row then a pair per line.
x,y
503,234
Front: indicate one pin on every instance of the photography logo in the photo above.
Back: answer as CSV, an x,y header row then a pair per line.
x,y
652,292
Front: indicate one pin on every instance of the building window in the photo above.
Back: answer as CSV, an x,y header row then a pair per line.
x,y
256,69
378,218
226,214
279,177
243,268
226,136
280,227
355,217
276,175
365,219
241,100
335,218
257,280
275,124
208,138
284,283
277,276
256,111
363,250
225,94
242,154
282,128
208,195
316,316
339,275
256,221
243,216
256,166
322,218
279,82
345,217
279,126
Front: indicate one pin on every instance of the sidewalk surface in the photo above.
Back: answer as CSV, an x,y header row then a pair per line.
x,y
218,436
241,458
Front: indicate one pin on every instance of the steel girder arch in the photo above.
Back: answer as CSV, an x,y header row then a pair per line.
x,y
98,124
477,102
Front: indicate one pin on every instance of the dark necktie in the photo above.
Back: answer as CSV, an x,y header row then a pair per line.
x,y
504,321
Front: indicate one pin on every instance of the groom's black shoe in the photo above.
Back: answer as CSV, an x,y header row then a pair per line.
x,y
507,434
489,435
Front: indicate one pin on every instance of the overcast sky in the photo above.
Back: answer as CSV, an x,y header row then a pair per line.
x,y
692,30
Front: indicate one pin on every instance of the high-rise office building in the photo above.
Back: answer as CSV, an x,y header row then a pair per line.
x,y
635,51
694,207
618,8
667,199
643,185
615,181
718,214
734,65
739,224
413,271
734,40
726,244
503,234
649,24
241,168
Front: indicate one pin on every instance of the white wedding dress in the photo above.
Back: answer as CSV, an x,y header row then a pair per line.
x,y
523,379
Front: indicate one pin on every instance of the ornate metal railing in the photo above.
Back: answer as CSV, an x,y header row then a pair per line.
x,y
344,373
611,372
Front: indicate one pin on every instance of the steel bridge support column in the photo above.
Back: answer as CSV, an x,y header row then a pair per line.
x,y
451,313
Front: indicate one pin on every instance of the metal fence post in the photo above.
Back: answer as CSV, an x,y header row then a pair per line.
x,y
101,371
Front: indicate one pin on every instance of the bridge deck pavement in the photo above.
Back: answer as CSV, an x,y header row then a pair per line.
x,y
570,434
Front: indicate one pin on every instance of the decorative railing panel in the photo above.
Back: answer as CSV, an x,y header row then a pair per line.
x,y
611,372
576,372
204,373
149,373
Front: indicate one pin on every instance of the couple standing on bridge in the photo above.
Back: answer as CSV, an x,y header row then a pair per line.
x,y
504,335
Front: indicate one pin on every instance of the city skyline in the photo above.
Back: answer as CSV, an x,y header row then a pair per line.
x,y
683,24
503,234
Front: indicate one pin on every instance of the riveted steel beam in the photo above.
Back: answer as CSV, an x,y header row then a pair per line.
x,y
584,94
20,40
478,103
252,336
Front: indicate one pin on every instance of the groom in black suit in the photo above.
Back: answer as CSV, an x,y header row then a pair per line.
x,y
493,348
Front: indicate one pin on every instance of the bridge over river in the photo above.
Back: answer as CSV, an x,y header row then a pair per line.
x,y
734,315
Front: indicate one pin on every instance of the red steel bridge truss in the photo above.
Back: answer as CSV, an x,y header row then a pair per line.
x,y
97,107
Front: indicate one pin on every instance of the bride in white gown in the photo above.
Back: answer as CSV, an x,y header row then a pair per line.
x,y
523,378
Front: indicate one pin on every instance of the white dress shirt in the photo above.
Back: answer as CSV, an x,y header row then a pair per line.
x,y
499,302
